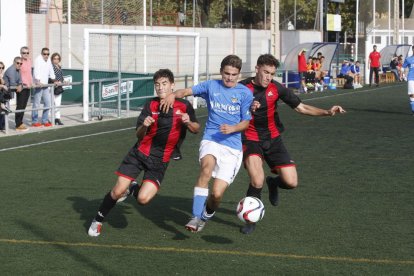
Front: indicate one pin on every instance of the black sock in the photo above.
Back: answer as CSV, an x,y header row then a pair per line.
x,y
107,204
209,210
279,183
252,191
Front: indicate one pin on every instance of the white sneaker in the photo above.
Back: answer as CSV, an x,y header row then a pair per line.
x,y
195,224
95,228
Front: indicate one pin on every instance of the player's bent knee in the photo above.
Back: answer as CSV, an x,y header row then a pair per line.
x,y
291,183
116,194
143,200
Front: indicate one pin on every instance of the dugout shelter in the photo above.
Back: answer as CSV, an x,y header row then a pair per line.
x,y
290,63
388,52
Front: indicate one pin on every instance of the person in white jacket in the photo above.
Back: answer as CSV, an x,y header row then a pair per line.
x,y
43,70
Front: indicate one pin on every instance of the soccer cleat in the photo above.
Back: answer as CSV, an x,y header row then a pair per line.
x,y
95,228
132,189
47,124
248,228
273,192
177,155
195,225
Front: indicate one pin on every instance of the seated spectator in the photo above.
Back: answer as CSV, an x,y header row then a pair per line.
x,y
394,67
318,75
356,74
346,74
310,73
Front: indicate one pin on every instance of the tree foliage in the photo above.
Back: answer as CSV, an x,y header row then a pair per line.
x,y
215,13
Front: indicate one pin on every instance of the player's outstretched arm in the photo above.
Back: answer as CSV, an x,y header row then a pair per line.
x,y
168,102
316,111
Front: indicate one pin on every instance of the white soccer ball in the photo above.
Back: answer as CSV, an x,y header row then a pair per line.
x,y
250,209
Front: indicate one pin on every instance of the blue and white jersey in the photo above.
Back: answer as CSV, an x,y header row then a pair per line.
x,y
409,63
225,106
355,69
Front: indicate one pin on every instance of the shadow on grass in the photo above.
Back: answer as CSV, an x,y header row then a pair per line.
x,y
43,234
405,113
88,208
166,212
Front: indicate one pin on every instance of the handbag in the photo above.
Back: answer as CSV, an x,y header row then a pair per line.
x,y
58,89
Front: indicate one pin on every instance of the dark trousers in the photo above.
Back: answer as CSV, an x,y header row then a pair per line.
x,y
2,122
375,70
21,103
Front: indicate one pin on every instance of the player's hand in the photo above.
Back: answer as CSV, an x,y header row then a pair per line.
x,y
167,103
19,88
185,118
255,105
336,109
226,129
148,121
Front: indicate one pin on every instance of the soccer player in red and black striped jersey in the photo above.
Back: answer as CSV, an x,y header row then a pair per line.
x,y
262,141
158,134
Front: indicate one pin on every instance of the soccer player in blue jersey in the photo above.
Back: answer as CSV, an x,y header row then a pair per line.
x,y
220,153
158,134
409,63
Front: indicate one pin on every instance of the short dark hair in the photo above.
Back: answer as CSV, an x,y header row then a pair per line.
x,y
267,59
231,60
45,49
164,73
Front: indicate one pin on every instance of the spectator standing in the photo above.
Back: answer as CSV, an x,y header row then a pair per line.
x,y
13,78
43,70
302,69
57,69
23,96
374,65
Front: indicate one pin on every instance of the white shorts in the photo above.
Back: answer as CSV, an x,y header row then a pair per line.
x,y
411,87
228,160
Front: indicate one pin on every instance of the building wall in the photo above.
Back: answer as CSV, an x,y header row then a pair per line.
x,y
13,29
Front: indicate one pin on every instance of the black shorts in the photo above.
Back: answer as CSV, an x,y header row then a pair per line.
x,y
135,162
273,152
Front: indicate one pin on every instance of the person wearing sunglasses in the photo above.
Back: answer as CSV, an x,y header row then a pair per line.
x,y
43,70
27,80
12,79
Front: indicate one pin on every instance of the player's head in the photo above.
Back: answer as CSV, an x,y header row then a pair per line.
x,y
374,47
265,69
230,69
163,82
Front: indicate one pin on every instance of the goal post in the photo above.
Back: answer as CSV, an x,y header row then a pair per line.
x,y
121,52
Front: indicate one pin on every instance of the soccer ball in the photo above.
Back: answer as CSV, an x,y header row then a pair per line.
x,y
250,209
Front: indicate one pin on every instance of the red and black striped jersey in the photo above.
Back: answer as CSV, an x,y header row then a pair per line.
x,y
265,123
163,135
